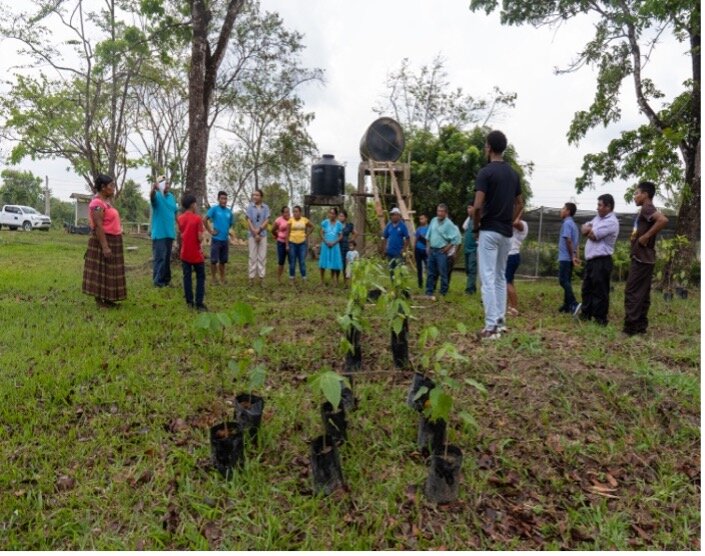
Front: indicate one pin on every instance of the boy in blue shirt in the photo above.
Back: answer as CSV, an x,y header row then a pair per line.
x,y
568,257
222,218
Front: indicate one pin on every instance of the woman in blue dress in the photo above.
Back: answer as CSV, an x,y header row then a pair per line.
x,y
331,235
348,234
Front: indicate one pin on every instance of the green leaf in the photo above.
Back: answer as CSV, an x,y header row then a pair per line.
x,y
477,385
329,384
258,345
440,406
243,314
203,321
461,328
420,392
468,420
258,375
223,319
266,330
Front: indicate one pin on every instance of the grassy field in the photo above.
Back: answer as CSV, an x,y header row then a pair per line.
x,y
586,439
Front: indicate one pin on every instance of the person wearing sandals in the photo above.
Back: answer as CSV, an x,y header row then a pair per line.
x,y
520,230
104,268
349,234
331,233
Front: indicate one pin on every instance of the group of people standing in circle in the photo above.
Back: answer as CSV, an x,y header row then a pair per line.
x,y
493,233
104,269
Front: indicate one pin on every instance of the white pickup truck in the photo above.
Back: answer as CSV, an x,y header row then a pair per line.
x,y
18,216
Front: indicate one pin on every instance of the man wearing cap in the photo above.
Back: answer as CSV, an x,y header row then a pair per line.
x,y
163,228
396,238
442,237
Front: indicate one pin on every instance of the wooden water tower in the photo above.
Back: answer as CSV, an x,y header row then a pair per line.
x,y
380,149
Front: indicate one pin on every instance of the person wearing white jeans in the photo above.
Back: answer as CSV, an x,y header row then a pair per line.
x,y
257,256
257,214
492,253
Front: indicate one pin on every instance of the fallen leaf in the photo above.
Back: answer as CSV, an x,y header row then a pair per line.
x,y
170,521
595,490
601,488
485,461
578,534
642,534
65,483
611,480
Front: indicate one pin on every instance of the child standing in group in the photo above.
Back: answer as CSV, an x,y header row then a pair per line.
x,y
350,257
192,231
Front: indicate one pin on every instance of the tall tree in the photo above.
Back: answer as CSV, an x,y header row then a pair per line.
x,y
162,130
208,25
79,105
626,32
425,99
258,93
203,72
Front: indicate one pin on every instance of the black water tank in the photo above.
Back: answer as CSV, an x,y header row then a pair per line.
x,y
328,177
383,141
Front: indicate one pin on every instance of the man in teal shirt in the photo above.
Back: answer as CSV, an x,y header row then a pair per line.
x,y
441,236
163,227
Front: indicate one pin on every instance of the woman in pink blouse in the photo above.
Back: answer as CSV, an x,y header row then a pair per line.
x,y
104,269
280,231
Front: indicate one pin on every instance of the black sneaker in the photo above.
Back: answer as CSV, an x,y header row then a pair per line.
x,y
201,308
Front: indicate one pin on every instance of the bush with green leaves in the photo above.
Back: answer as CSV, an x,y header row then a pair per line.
x,y
681,270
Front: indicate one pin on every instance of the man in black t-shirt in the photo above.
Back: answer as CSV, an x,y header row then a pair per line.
x,y
637,293
498,203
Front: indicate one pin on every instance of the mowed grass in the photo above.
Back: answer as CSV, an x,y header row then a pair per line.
x,y
586,439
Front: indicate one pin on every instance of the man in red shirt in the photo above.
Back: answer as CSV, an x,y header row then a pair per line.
x,y
192,230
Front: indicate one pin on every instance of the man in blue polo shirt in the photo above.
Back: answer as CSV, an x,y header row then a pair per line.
x,y
396,238
163,227
222,218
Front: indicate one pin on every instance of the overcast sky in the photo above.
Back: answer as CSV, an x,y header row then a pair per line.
x,y
359,43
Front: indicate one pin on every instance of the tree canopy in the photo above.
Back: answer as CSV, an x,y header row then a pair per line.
x,y
444,168
21,188
626,32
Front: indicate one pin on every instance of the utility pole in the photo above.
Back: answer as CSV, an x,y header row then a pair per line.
x,y
47,197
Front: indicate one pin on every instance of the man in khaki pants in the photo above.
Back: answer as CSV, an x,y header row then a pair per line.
x,y
257,215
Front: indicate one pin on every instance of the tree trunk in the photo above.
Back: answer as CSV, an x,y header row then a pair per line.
x,y
689,213
202,80
197,124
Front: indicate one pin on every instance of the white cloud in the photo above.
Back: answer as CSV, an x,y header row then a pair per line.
x,y
359,43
